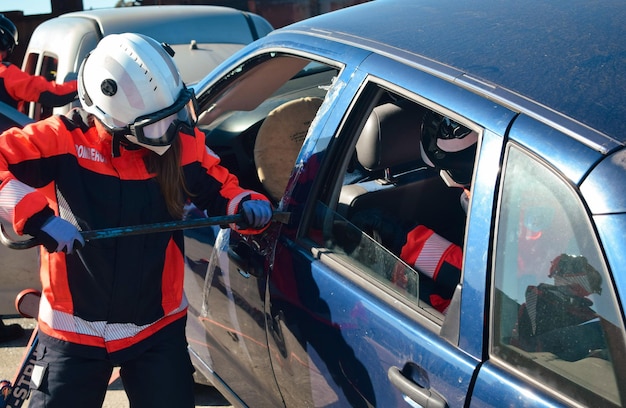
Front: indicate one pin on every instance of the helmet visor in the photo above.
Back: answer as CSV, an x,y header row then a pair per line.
x,y
161,127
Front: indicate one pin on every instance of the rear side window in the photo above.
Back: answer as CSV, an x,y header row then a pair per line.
x,y
31,63
48,66
30,67
395,218
556,317
48,70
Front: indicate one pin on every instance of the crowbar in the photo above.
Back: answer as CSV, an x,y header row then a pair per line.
x,y
116,232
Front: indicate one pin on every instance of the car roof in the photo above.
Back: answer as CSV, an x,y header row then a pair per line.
x,y
171,23
568,55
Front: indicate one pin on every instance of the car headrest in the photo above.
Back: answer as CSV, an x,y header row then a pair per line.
x,y
390,137
279,141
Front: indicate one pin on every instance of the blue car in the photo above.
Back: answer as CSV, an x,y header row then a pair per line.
x,y
455,176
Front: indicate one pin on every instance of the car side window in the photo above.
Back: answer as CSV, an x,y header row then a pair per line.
x,y
394,212
257,118
555,315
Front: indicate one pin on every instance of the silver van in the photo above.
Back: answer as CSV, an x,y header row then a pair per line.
x,y
201,36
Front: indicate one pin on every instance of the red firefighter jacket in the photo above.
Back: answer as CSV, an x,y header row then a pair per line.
x,y
16,86
436,258
122,290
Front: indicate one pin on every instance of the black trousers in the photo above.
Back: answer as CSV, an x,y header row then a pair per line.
x,y
161,376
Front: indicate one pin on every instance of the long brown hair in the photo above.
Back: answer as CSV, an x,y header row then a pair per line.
x,y
167,168
170,177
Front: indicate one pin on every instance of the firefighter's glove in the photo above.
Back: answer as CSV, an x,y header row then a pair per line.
x,y
59,235
256,213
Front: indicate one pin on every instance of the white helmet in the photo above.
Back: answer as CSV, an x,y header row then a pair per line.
x,y
131,83
449,146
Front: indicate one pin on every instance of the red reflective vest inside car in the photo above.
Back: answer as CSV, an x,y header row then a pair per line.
x,y
121,290
436,258
16,87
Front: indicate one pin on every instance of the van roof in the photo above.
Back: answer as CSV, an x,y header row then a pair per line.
x,y
201,36
173,24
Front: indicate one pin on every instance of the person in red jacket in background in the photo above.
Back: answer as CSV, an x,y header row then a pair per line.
x,y
17,86
450,147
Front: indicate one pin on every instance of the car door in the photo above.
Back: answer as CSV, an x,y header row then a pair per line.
x,y
349,325
259,111
556,328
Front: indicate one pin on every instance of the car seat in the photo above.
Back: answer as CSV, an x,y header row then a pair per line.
x,y
401,184
279,141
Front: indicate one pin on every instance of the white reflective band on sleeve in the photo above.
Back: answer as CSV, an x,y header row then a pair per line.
x,y
431,254
11,194
234,203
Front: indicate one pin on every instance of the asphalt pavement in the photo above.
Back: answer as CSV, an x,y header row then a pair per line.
x,y
12,352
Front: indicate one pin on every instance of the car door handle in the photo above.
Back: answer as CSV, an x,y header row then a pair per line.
x,y
246,259
422,396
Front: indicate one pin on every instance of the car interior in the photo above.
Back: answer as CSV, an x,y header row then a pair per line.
x,y
388,189
259,151
279,141
394,178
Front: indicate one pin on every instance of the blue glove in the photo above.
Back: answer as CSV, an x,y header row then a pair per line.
x,y
256,213
63,236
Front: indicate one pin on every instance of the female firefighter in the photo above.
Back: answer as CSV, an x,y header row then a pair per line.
x,y
131,155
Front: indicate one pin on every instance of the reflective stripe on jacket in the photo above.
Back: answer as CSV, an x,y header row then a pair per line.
x,y
17,86
120,290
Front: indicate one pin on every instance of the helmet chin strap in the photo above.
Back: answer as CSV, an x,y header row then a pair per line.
x,y
120,139
160,150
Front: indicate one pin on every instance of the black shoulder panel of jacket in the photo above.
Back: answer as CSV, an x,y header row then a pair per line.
x,y
48,98
77,118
